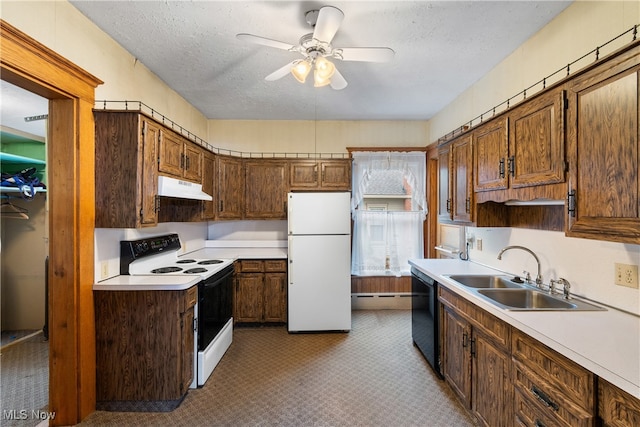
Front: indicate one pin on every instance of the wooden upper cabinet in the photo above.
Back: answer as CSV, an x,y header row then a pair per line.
x,y
209,185
230,187
491,154
266,189
536,141
179,157
523,148
603,152
462,179
320,175
125,141
444,183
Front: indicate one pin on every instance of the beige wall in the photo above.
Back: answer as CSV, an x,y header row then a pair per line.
x,y
308,136
577,30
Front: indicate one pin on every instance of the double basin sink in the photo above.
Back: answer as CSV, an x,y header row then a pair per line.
x,y
511,293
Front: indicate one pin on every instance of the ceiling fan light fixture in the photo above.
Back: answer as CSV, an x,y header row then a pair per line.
x,y
319,80
324,68
300,70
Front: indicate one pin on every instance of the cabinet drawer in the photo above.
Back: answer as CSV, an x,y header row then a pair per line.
x,y
251,266
275,265
529,415
546,401
616,407
565,376
190,297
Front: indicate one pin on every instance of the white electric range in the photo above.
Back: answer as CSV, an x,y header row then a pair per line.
x,y
213,321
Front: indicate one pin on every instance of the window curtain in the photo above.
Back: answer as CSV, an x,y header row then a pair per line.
x,y
384,241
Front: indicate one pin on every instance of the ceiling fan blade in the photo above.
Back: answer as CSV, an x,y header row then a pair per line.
x,y
337,81
365,54
264,41
280,72
329,19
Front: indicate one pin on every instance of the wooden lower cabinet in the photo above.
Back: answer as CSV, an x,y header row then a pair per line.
x,y
616,407
476,359
144,349
550,386
261,291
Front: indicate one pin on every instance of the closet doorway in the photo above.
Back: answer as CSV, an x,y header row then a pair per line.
x,y
24,251
26,63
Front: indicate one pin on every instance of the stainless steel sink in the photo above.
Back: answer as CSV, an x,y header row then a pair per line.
x,y
533,300
485,282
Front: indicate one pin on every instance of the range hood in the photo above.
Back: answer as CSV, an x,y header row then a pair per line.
x,y
172,187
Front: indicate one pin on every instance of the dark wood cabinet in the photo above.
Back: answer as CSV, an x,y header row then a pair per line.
x,y
179,157
444,185
476,359
616,407
230,187
261,291
462,179
209,185
126,152
317,175
266,189
144,348
603,151
491,155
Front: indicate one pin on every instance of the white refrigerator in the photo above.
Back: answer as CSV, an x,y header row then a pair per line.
x,y
319,285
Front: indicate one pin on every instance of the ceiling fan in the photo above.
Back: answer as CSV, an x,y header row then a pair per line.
x,y
316,48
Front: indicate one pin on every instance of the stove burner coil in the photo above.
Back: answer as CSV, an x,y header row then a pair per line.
x,y
164,270
186,261
210,261
195,270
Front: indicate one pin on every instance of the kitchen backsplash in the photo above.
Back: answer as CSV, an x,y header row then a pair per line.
x,y
587,264
247,230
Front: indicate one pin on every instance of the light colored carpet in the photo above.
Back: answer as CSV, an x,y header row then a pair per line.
x,y
24,381
371,376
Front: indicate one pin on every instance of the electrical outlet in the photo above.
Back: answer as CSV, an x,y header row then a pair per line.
x,y
627,275
479,244
104,270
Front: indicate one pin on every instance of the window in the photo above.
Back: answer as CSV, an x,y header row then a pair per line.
x,y
388,208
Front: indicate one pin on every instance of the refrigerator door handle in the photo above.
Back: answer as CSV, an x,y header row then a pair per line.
x,y
290,269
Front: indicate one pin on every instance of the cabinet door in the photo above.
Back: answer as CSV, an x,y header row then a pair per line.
x,y
303,175
249,297
462,184
491,382
456,355
193,156
170,154
148,174
208,185
230,188
536,143
602,122
275,297
444,189
335,174
187,346
265,189
490,153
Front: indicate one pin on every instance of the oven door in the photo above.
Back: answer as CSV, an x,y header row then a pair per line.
x,y
215,305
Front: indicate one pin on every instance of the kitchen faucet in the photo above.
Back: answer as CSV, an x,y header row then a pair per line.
x,y
539,276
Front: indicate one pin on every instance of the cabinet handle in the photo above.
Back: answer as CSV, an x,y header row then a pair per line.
x,y
542,397
512,166
473,347
181,161
187,159
467,205
571,203
448,205
465,339
539,423
221,205
501,167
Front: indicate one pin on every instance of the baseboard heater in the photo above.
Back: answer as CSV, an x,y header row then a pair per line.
x,y
374,301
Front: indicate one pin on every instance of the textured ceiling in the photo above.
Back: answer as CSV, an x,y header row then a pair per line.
x,y
441,48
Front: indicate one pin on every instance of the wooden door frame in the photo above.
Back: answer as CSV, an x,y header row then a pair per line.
x,y
27,63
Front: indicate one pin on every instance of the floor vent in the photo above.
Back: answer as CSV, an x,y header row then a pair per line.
x,y
388,301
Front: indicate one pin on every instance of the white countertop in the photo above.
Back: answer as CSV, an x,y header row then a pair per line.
x,y
147,283
605,342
